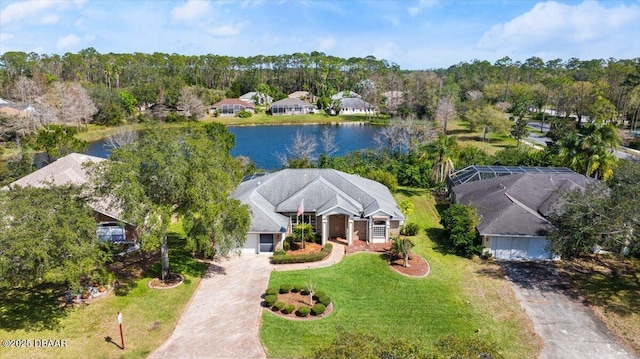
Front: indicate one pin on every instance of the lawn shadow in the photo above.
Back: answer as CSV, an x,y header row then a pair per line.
x,y
31,308
410,191
612,284
108,339
492,269
442,244
458,131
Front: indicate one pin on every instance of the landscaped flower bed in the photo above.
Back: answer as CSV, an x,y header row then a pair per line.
x,y
302,258
297,302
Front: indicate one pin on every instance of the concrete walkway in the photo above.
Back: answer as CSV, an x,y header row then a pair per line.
x,y
222,320
336,256
568,328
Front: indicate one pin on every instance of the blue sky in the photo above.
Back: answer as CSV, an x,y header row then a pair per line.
x,y
415,34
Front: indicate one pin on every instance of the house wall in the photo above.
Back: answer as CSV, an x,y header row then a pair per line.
x,y
360,230
337,224
394,228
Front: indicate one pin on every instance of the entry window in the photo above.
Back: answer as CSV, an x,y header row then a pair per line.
x,y
266,243
380,229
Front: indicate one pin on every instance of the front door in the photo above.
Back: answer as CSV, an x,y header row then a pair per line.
x,y
266,243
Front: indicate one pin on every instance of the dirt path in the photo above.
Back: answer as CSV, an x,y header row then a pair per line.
x,y
568,328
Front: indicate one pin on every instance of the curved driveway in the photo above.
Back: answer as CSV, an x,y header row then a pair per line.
x,y
222,320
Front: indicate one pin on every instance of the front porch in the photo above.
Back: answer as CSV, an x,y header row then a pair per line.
x,y
361,246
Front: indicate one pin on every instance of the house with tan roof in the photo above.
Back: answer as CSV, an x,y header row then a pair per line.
x,y
336,204
231,106
70,169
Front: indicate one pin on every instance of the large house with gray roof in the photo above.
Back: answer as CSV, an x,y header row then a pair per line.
x,y
337,204
513,208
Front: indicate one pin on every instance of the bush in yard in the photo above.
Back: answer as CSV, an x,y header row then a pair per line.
x,y
285,288
278,306
271,291
286,246
318,294
297,288
270,300
318,308
460,222
290,308
410,229
303,311
303,258
244,114
325,299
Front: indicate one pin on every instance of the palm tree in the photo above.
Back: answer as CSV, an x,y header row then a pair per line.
x,y
443,150
592,150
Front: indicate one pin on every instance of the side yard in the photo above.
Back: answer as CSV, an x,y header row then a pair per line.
x,y
611,287
463,297
149,315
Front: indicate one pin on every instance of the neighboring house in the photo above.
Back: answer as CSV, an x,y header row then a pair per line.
x,y
257,98
337,204
345,94
69,170
513,208
304,96
356,106
291,106
9,108
231,106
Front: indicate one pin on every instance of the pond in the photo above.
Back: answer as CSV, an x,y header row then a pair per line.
x,y
262,143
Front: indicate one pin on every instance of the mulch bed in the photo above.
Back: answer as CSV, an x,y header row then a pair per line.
x,y
171,281
309,248
418,266
299,300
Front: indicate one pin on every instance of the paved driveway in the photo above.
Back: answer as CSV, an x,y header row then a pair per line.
x,y
568,328
222,319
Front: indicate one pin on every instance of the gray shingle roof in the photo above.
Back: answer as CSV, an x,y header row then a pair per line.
x,y
67,170
517,204
274,196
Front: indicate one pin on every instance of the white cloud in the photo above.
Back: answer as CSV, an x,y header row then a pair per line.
x,y
5,36
19,10
50,19
327,44
191,10
224,31
67,41
552,22
422,4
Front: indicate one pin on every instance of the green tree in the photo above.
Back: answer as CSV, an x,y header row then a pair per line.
x,y
48,235
519,130
487,119
184,173
59,141
602,214
402,246
443,151
591,150
460,222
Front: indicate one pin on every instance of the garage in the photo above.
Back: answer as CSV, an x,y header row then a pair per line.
x,y
266,243
519,247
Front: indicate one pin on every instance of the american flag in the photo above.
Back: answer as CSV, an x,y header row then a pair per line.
x,y
300,208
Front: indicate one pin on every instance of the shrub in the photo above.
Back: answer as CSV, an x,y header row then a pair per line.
x,y
303,258
290,308
410,229
303,311
325,299
278,306
279,252
271,291
270,300
319,294
244,114
304,291
286,246
460,222
297,288
285,288
384,177
318,309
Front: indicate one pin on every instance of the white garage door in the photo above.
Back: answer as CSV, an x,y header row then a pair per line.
x,y
251,245
519,248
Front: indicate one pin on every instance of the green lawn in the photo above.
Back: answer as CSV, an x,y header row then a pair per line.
x,y
459,296
149,316
493,143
